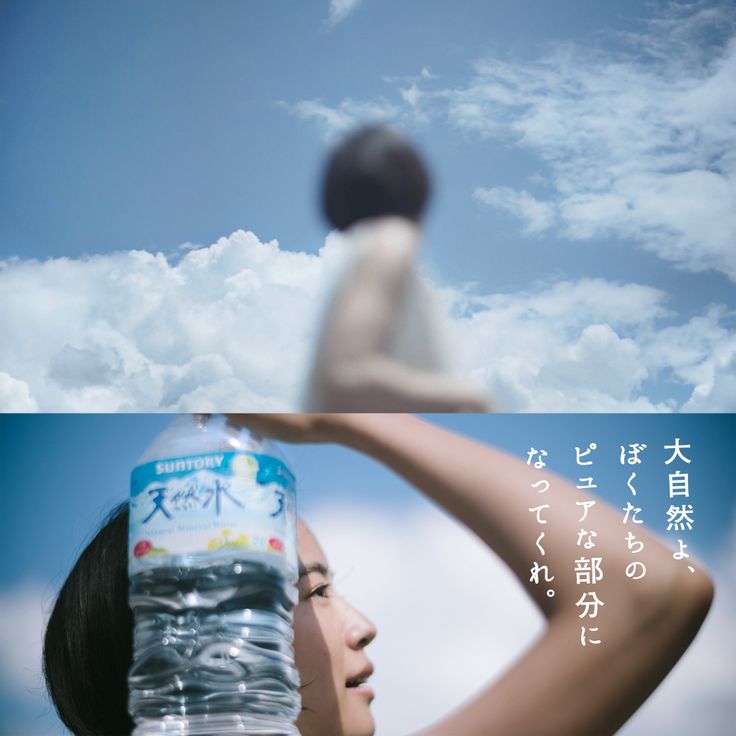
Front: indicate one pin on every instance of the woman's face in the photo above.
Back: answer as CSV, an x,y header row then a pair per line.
x,y
329,641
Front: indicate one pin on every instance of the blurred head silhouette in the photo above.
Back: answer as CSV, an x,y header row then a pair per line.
x,y
374,172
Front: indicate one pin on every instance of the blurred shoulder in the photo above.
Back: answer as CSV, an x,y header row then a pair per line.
x,y
384,243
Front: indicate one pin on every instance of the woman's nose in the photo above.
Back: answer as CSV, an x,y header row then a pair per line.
x,y
361,631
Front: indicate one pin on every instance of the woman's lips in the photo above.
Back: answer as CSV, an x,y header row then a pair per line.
x,y
364,691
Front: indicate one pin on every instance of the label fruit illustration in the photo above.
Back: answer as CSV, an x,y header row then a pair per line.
x,y
225,542
144,547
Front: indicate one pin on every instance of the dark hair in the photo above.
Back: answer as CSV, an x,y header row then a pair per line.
x,y
374,172
88,647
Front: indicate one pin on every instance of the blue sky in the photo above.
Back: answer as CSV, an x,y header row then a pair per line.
x,y
67,471
150,125
580,237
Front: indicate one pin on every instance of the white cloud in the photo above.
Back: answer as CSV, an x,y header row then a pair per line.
x,y
538,215
228,324
411,94
15,395
702,353
349,114
469,619
232,326
331,120
638,145
571,346
339,10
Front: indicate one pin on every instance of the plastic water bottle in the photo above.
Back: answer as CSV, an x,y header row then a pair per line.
x,y
213,567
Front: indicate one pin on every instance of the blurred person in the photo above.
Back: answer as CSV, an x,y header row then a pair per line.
x,y
381,345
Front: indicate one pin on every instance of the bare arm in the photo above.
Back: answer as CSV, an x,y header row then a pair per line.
x,y
558,687
378,383
353,365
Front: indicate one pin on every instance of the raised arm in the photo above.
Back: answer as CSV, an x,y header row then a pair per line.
x,y
558,687
354,370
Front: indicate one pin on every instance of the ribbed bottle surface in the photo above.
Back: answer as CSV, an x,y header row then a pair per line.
x,y
212,569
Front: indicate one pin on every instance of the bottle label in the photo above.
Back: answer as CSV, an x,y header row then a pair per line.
x,y
218,502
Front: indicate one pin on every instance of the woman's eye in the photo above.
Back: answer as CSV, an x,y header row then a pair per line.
x,y
321,591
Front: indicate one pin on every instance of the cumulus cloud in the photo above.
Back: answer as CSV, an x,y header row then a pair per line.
x,y
469,619
15,395
231,326
596,345
634,142
711,373
339,10
570,346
